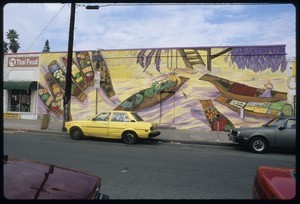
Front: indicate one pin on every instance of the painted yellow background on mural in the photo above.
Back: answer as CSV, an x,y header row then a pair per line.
x,y
183,110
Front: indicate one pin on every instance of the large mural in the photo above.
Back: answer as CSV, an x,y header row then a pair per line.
x,y
206,88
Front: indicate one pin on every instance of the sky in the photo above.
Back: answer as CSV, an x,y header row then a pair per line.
x,y
134,26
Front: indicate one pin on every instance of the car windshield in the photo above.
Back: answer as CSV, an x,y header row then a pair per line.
x,y
274,122
102,116
137,117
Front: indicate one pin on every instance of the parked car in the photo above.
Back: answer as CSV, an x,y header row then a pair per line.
x,y
280,132
24,179
274,183
125,125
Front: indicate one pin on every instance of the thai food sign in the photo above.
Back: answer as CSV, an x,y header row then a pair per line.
x,y
23,61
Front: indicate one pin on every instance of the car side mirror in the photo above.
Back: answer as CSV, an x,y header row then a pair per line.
x,y
132,121
93,119
281,128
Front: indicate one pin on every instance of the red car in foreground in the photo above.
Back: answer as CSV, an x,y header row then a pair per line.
x,y
25,179
274,183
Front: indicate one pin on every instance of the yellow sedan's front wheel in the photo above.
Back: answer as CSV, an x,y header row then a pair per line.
x,y
129,137
76,133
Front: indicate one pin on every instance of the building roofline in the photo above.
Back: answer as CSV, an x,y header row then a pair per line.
x,y
163,48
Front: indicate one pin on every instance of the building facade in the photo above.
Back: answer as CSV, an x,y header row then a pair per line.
x,y
20,83
207,88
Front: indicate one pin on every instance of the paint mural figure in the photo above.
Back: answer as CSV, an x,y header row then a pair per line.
x,y
76,74
99,64
258,109
217,121
157,93
144,60
49,101
84,61
242,92
268,91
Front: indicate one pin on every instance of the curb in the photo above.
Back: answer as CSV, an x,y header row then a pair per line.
x,y
26,130
196,142
153,139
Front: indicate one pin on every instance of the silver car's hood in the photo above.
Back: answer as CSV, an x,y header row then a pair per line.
x,y
252,128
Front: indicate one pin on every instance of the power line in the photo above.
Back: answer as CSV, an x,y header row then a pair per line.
x,y
109,30
45,27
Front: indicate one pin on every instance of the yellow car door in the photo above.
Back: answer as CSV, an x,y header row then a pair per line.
x,y
98,126
117,125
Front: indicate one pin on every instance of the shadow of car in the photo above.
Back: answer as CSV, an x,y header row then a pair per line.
x,y
274,183
278,133
24,179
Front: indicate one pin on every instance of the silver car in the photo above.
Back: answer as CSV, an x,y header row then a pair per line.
x,y
278,133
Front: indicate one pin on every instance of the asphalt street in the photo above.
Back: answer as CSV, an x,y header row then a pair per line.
x,y
151,170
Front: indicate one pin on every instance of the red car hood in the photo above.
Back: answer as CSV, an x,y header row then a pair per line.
x,y
281,181
33,180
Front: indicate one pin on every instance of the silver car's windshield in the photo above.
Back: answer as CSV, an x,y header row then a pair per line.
x,y
274,122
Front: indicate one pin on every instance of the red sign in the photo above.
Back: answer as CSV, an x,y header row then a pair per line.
x,y
23,61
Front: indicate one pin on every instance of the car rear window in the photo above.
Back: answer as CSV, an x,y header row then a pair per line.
x,y
137,117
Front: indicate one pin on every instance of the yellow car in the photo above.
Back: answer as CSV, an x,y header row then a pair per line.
x,y
125,125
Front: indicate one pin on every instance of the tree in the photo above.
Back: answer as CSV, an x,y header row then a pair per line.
x,y
46,46
13,44
5,49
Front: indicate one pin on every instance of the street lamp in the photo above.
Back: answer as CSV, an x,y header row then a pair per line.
x,y
92,7
67,97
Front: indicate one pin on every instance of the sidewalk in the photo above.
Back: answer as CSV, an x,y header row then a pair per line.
x,y
171,135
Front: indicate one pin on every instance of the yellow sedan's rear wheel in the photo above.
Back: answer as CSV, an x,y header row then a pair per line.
x,y
129,137
76,133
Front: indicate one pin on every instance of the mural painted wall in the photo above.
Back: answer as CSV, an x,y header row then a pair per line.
x,y
186,88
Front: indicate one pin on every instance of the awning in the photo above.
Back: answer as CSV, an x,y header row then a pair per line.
x,y
9,85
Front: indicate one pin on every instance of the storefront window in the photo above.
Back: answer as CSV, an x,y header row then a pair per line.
x,y
20,100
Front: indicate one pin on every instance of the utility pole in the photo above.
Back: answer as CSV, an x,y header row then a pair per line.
x,y
67,97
